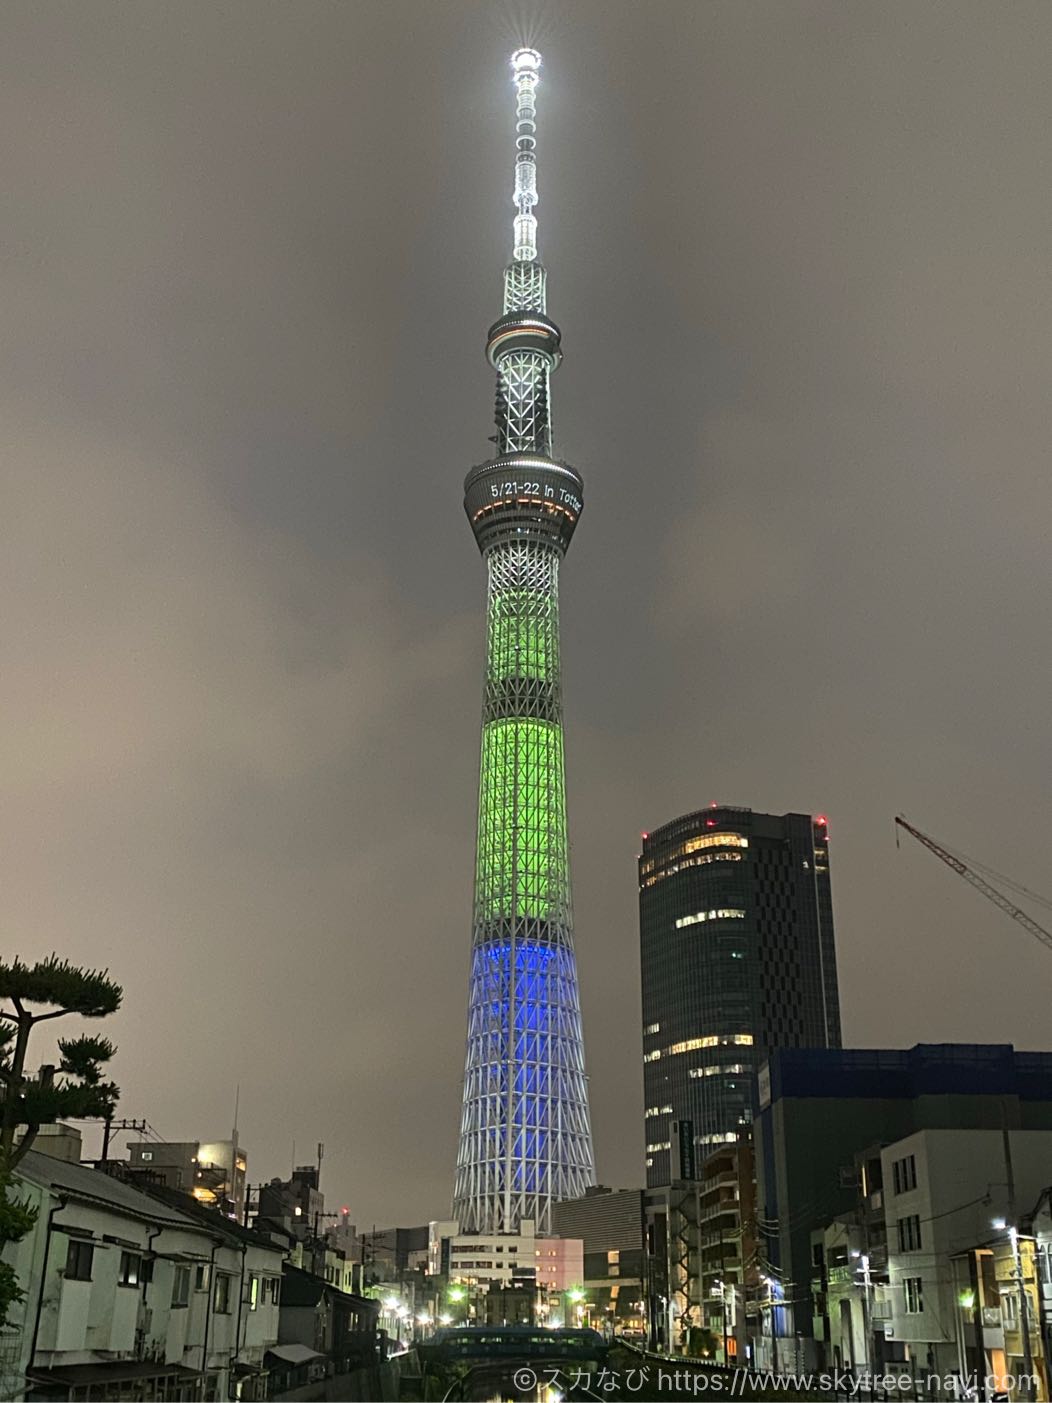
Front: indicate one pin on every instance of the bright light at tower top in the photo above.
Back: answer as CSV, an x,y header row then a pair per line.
x,y
525,65
523,60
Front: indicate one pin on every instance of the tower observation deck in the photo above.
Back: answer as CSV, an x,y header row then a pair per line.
x,y
525,1138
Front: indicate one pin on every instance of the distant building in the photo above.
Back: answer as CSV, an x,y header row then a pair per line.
x,y
388,1251
559,1264
327,1248
675,1303
297,1204
545,1264
727,1243
611,1223
822,1111
215,1172
737,958
508,1305
59,1141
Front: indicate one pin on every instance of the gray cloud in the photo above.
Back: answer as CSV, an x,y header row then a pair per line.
x,y
799,255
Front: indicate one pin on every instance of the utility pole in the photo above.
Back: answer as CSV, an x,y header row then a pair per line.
x,y
1017,1259
867,1327
109,1125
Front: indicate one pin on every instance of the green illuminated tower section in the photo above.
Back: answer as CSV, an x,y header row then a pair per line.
x,y
525,1137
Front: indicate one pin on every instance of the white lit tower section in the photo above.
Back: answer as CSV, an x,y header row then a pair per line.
x,y
525,1136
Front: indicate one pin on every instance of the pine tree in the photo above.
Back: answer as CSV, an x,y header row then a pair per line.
x,y
32,994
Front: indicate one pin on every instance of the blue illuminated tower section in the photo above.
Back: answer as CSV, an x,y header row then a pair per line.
x,y
525,1138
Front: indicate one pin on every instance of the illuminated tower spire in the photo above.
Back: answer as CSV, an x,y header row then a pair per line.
x,y
525,1139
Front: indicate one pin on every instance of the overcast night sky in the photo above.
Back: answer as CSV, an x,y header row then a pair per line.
x,y
800,257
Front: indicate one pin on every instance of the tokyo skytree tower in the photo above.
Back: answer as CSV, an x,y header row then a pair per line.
x,y
525,1138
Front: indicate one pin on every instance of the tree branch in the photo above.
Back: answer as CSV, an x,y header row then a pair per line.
x,y
24,1145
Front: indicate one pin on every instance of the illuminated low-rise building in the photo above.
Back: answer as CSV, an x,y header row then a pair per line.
x,y
925,1138
476,1263
612,1226
131,1294
214,1172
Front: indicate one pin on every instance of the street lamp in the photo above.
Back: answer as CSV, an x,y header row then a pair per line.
x,y
574,1296
457,1296
390,1305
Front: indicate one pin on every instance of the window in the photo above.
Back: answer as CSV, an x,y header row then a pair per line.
x,y
201,1277
222,1296
712,840
181,1288
733,1069
275,1289
253,1293
692,1044
913,1288
652,1028
79,1257
146,1155
722,913
131,1265
1010,1310
909,1233
904,1174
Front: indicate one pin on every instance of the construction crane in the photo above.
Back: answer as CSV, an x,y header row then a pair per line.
x,y
990,892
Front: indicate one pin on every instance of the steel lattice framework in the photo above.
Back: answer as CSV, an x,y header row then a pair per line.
x,y
525,1138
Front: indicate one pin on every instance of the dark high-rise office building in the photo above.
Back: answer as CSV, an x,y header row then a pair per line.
x,y
738,958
